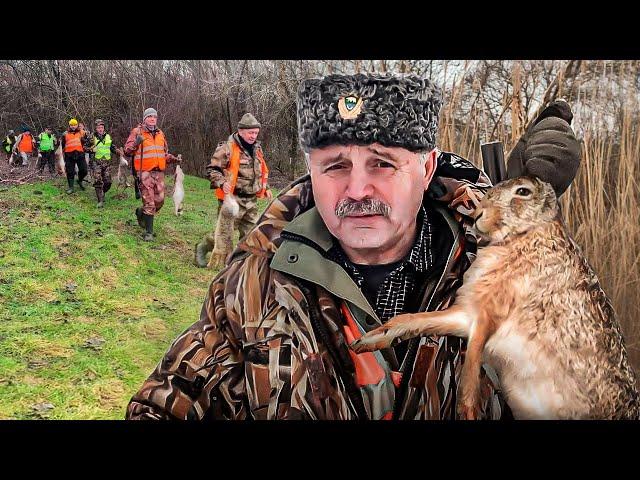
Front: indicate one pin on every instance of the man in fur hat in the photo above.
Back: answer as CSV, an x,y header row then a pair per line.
x,y
237,169
381,226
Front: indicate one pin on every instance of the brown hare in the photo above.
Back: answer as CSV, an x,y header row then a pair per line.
x,y
532,308
178,191
60,167
123,165
223,235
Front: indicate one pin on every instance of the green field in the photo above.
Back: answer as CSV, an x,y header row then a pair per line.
x,y
87,308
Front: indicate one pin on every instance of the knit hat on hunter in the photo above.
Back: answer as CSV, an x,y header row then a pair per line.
x,y
149,111
393,110
248,121
73,121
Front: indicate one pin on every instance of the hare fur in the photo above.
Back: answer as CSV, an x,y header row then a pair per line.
x,y
223,234
178,191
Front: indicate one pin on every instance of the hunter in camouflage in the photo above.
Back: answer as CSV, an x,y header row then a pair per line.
x,y
237,168
273,337
102,148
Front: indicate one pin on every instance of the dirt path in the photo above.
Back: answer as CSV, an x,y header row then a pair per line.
x,y
10,176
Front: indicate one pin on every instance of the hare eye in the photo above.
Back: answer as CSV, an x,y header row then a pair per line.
x,y
523,192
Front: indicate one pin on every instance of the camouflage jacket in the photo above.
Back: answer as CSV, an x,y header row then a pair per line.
x,y
249,173
272,339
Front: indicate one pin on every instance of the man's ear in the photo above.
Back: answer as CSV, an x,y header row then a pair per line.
x,y
430,167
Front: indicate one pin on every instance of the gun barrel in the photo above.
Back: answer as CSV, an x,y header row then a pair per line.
x,y
493,161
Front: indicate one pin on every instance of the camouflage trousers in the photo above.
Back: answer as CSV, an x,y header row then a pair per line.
x,y
152,192
102,175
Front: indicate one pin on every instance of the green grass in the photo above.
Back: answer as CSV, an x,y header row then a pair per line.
x,y
70,274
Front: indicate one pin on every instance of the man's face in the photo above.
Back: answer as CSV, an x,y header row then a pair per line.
x,y
100,129
151,120
47,131
249,135
369,196
73,128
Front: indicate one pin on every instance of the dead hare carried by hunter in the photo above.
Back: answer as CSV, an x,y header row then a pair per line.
x,y
532,308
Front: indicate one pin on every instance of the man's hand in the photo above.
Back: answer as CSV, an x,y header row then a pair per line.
x,y
226,187
139,140
269,194
549,149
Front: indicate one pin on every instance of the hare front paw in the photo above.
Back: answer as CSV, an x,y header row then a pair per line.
x,y
373,340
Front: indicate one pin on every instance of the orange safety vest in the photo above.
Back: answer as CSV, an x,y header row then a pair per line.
x,y
73,141
26,143
152,151
234,167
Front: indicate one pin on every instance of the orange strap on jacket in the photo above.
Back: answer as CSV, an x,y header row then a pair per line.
x,y
264,175
368,370
234,168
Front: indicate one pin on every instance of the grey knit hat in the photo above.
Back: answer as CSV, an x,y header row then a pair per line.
x,y
393,110
248,121
149,111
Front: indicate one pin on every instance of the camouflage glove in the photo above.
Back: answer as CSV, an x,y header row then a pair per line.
x,y
549,149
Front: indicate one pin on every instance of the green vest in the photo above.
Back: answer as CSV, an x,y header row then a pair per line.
x,y
8,145
102,147
46,142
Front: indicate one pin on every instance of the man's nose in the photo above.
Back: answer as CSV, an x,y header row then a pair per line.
x,y
360,184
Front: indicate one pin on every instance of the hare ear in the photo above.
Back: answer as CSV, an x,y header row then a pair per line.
x,y
430,167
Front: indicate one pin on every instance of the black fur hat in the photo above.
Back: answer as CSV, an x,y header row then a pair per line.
x,y
393,110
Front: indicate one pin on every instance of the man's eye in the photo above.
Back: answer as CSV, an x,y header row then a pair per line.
x,y
336,166
383,164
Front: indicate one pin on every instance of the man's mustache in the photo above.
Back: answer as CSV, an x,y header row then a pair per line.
x,y
368,206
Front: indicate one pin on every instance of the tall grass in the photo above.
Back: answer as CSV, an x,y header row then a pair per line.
x,y
602,210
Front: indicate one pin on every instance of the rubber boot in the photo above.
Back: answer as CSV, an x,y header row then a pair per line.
x,y
148,225
70,182
100,195
80,184
139,217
